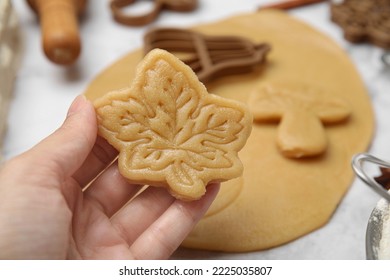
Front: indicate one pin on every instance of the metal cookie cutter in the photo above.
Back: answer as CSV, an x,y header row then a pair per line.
x,y
120,16
357,165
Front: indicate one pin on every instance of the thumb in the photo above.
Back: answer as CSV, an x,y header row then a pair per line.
x,y
67,148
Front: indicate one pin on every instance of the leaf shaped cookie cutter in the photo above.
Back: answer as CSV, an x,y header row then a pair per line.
x,y
120,16
209,57
364,20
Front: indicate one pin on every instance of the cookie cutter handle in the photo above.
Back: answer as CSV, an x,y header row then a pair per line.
x,y
357,165
120,16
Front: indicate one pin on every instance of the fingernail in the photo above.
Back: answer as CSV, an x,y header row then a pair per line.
x,y
77,105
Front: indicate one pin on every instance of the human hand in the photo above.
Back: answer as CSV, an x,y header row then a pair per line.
x,y
47,212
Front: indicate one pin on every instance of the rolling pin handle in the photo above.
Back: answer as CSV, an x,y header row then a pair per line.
x,y
60,35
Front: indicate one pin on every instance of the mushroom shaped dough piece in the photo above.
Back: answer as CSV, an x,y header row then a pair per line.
x,y
302,114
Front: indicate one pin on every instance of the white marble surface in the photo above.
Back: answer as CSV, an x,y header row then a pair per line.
x,y
44,91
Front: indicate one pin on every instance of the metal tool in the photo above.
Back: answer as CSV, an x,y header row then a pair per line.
x,y
357,165
374,232
377,218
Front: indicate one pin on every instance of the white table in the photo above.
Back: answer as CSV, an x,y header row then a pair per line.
x,y
44,91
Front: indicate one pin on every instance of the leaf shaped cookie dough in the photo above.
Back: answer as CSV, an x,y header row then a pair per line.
x,y
170,132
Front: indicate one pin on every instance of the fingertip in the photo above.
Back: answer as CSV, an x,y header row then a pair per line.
x,y
77,105
214,185
212,189
82,117
82,106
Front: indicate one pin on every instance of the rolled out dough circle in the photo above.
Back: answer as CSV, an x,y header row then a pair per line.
x,y
277,199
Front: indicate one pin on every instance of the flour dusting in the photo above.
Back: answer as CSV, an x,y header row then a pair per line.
x,y
384,244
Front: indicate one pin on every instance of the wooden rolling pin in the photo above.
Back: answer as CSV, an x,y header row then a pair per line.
x,y
60,35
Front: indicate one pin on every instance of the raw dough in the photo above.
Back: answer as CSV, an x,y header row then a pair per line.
x,y
170,131
277,199
302,113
